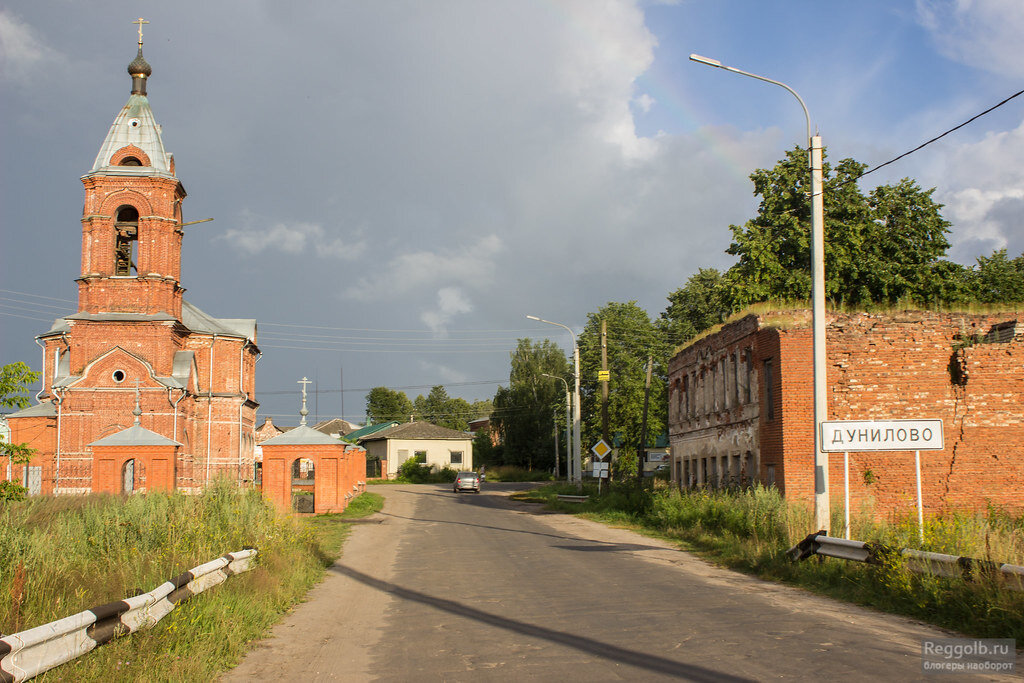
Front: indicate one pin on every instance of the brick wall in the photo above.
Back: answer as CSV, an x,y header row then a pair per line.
x,y
914,365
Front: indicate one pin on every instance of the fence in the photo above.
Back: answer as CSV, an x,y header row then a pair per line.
x,y
918,561
29,653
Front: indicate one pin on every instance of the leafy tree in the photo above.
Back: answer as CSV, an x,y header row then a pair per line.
x,y
632,337
440,409
15,379
998,279
385,405
880,248
524,411
702,303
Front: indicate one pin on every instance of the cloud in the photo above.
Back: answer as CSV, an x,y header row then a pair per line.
x,y
451,301
982,33
295,238
471,265
21,52
985,193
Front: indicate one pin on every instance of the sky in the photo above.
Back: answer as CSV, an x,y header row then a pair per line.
x,y
395,185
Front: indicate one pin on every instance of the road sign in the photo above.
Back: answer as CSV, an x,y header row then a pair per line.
x,y
601,449
604,375
854,436
599,470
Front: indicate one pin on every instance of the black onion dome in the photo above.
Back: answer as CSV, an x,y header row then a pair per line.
x,y
139,66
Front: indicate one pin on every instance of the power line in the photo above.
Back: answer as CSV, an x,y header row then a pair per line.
x,y
939,137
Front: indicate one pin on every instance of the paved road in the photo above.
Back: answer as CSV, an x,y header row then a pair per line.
x,y
467,587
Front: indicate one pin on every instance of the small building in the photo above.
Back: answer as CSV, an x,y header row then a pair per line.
x,y
438,447
336,428
741,406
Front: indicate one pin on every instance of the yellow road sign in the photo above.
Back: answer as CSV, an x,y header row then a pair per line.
x,y
604,375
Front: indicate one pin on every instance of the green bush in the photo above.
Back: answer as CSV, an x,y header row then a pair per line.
x,y
509,473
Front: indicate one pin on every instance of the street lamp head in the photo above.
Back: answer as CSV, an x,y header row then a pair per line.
x,y
532,317
705,60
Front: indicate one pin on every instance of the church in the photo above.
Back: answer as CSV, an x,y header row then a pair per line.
x,y
141,390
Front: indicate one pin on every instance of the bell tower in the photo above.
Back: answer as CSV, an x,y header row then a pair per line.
x,y
131,222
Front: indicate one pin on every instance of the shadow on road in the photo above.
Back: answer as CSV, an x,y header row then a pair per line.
x,y
641,660
595,544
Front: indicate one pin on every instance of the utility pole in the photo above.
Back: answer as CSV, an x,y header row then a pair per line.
x,y
554,421
641,453
604,382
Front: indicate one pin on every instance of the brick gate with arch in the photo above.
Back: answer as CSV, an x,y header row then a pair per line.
x,y
339,469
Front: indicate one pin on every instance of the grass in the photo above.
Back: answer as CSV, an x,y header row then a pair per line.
x,y
751,529
59,556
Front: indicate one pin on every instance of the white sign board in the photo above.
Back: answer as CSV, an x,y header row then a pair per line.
x,y
848,436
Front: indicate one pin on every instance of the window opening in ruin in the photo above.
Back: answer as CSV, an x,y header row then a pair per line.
x,y
769,475
749,356
126,231
769,393
736,378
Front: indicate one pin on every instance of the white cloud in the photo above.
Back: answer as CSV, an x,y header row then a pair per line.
x,y
451,301
470,265
295,238
21,52
981,33
985,182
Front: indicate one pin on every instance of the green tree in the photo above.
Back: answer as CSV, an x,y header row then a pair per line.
x,y
702,303
880,248
524,411
998,279
439,408
15,379
385,405
632,337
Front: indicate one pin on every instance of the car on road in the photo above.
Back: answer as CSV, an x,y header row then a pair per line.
x,y
467,481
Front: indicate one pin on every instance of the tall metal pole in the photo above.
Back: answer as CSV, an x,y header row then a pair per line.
x,y
577,460
821,495
568,430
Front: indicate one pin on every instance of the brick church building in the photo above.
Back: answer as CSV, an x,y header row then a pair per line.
x,y
141,390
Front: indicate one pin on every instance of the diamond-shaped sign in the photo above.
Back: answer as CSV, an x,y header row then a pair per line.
x,y
601,449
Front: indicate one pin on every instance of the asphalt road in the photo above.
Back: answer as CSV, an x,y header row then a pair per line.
x,y
475,587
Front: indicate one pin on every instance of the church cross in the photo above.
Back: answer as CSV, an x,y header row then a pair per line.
x,y
140,21
303,412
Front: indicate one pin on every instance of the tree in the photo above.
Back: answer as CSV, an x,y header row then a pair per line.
x,y
385,405
632,337
524,411
880,248
440,409
702,303
998,279
15,379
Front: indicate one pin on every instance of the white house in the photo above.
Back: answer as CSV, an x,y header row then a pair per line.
x,y
435,446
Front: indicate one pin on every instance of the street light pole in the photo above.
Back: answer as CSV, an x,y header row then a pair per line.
x,y
568,432
821,496
577,461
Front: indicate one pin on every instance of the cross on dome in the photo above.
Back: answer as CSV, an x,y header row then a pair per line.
x,y
140,21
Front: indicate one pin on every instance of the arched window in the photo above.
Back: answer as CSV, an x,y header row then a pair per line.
x,y
128,477
130,161
126,228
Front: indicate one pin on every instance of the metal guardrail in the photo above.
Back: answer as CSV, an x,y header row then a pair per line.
x,y
572,499
918,561
30,653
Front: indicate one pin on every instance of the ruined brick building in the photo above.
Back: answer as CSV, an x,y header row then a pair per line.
x,y
135,342
741,406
